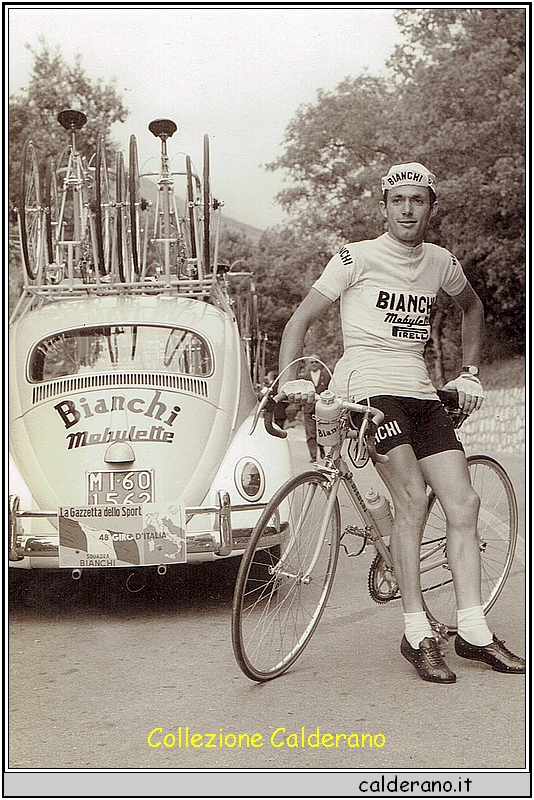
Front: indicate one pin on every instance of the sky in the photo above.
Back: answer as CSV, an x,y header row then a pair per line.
x,y
238,74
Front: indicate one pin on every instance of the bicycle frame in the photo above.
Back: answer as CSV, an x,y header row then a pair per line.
x,y
75,183
338,472
169,228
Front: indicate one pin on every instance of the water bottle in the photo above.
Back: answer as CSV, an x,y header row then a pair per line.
x,y
327,416
380,510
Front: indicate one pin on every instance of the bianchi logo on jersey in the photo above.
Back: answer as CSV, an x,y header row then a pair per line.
x,y
408,314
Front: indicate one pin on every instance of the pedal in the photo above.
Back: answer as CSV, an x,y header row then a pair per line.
x,y
354,531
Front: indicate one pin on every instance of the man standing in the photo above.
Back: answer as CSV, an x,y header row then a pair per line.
x,y
388,287
320,378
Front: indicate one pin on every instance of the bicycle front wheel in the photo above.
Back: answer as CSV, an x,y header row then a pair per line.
x,y
30,212
206,205
497,536
122,240
52,209
102,208
137,221
286,576
191,207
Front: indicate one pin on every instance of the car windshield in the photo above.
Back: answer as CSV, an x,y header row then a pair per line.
x,y
109,348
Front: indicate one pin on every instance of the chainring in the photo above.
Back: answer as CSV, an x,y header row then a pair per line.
x,y
381,581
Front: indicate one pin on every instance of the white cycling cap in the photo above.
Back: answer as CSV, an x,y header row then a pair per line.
x,y
408,175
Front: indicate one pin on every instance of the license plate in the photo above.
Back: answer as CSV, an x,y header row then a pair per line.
x,y
118,488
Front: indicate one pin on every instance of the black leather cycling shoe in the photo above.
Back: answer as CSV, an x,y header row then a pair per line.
x,y
428,661
495,654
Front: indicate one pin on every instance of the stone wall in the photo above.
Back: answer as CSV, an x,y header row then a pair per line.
x,y
499,426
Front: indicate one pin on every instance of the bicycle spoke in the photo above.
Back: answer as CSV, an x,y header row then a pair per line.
x,y
497,534
281,592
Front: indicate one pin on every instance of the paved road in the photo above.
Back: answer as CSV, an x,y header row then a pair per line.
x,y
95,667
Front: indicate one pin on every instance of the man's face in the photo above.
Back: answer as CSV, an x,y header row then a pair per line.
x,y
408,212
314,365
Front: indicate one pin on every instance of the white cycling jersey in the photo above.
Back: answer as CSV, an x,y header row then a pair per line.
x,y
387,292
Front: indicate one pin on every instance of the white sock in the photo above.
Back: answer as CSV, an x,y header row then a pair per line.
x,y
472,626
417,628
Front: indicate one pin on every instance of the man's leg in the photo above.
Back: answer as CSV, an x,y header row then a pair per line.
x,y
404,479
448,475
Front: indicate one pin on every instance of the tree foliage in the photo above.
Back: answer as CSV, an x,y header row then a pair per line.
x,y
455,100
54,85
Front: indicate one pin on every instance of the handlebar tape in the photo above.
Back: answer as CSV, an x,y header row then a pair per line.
x,y
268,412
449,397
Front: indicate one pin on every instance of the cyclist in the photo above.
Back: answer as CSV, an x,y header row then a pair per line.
x,y
388,287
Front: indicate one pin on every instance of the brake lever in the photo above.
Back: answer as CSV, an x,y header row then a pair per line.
x,y
376,458
366,438
266,407
261,406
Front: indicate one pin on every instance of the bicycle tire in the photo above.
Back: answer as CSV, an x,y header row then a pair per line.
x,y
102,200
30,212
206,202
276,607
51,201
255,339
497,532
123,266
136,227
191,206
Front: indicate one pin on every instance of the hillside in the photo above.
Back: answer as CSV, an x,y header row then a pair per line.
x,y
149,191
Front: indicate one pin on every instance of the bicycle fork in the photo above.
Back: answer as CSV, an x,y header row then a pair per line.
x,y
305,577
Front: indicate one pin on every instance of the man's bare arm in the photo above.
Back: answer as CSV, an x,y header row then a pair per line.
x,y
292,346
472,324
470,391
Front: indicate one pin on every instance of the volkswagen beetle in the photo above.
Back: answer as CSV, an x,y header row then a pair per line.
x,y
131,417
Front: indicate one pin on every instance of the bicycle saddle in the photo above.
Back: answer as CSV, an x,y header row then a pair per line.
x,y
70,119
164,128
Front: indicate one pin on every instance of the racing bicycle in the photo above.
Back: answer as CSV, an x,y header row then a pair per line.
x,y
73,225
162,241
288,568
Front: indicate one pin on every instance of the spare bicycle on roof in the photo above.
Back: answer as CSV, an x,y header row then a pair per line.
x,y
134,361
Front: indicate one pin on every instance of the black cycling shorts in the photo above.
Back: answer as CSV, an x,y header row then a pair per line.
x,y
424,424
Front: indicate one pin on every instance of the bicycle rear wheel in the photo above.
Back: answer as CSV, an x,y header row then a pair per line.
x,y
122,241
102,208
206,202
51,199
497,534
286,576
248,323
30,212
138,211
191,207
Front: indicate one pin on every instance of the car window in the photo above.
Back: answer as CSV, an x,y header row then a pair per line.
x,y
118,347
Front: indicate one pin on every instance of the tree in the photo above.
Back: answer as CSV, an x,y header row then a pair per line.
x,y
235,245
54,85
335,152
464,69
454,100
286,263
